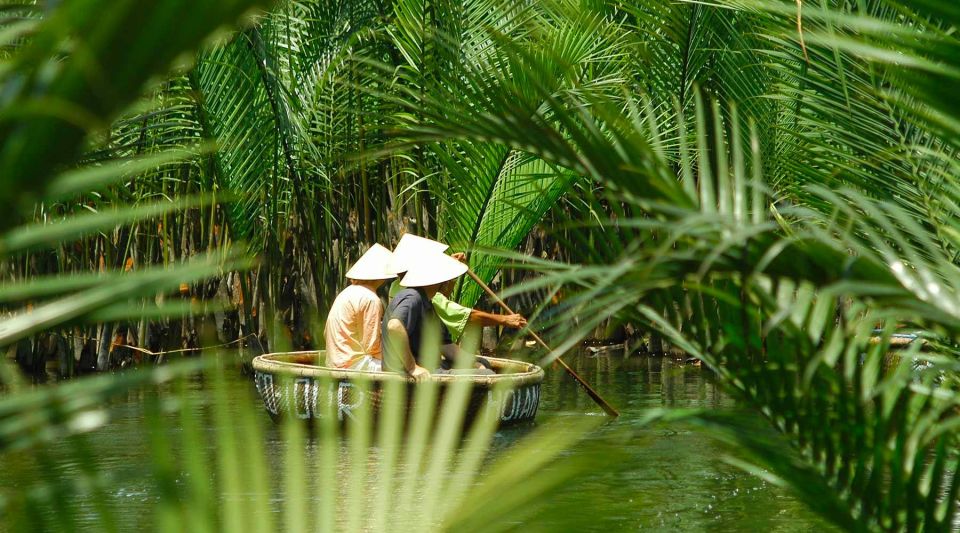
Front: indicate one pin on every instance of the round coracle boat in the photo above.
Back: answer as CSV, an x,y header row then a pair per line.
x,y
293,383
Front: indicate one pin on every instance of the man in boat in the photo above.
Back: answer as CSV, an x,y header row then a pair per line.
x,y
455,317
352,332
411,313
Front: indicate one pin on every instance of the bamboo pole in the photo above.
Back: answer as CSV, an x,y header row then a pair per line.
x,y
607,408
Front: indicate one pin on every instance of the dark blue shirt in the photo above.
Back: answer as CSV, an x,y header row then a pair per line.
x,y
413,309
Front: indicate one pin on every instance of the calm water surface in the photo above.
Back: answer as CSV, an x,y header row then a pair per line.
x,y
668,477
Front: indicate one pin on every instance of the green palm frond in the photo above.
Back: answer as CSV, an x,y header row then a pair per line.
x,y
766,197
922,55
18,20
841,125
237,97
34,166
860,420
36,142
528,188
214,464
484,189
238,116
780,300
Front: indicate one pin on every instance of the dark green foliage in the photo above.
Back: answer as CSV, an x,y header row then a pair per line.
x,y
59,101
763,196
769,236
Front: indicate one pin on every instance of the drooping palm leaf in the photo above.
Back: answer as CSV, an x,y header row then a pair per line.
x,y
520,198
755,289
105,73
486,188
238,116
860,420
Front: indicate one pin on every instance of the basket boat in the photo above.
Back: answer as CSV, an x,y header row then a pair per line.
x,y
291,383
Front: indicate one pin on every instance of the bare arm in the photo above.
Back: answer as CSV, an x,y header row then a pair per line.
x,y
400,340
482,318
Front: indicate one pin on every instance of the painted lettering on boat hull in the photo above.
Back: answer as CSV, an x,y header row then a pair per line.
x,y
303,398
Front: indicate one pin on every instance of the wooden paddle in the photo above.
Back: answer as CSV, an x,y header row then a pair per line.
x,y
607,408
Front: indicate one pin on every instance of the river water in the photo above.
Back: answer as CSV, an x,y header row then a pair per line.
x,y
666,477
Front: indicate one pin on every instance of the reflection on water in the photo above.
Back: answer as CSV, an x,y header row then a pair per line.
x,y
667,477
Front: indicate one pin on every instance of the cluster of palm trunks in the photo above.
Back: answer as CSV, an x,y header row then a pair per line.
x,y
293,384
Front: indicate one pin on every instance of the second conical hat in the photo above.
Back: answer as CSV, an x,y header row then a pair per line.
x,y
409,249
432,268
372,265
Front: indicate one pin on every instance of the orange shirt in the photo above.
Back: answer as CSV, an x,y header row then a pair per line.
x,y
353,326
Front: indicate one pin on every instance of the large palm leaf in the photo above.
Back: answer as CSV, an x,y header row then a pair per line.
x,y
88,93
754,288
870,434
487,193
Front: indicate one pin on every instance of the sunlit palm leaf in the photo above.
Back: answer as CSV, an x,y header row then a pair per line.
x,y
529,188
239,118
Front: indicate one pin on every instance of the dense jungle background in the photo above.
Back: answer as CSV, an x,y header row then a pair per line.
x,y
771,186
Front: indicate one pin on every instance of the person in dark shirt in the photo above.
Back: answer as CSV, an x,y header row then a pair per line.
x,y
410,311
455,317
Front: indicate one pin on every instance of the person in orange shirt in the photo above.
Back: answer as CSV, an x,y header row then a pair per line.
x,y
352,332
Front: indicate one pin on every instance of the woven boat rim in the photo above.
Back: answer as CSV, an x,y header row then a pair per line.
x,y
265,363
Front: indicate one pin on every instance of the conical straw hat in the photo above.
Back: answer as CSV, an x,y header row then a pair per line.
x,y
432,269
372,265
409,249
